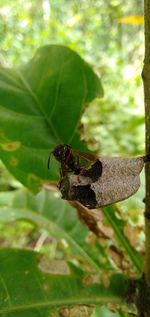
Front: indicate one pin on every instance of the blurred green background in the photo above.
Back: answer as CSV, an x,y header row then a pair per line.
x,y
109,34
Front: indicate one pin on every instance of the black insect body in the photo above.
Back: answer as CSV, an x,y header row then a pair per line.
x,y
70,159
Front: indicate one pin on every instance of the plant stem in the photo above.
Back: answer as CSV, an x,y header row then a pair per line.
x,y
146,82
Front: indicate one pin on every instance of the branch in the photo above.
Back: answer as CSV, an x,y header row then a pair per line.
x,y
146,82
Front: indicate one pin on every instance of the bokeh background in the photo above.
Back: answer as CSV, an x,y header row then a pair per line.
x,y
109,34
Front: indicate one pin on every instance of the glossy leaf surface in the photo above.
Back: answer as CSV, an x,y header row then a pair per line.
x,y
48,211
27,289
40,107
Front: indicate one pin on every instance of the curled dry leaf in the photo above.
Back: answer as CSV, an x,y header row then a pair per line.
x,y
107,181
93,220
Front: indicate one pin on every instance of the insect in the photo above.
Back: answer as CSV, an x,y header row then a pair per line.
x,y
70,159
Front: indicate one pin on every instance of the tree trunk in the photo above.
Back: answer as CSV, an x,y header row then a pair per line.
x,y
146,82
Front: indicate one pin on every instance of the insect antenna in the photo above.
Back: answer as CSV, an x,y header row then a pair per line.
x,y
48,163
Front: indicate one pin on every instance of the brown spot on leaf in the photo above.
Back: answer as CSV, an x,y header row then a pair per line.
x,y
76,311
118,258
13,161
11,146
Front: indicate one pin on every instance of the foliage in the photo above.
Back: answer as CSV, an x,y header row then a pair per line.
x,y
43,291
45,101
94,30
30,120
93,279
55,83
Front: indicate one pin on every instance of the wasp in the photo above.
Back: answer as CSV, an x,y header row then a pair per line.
x,y
70,159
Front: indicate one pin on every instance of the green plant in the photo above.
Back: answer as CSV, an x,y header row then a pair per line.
x,y
41,106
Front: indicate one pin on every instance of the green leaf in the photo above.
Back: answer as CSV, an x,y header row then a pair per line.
x,y
27,288
40,107
118,226
49,211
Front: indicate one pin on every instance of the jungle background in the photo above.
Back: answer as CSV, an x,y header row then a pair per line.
x,y
109,34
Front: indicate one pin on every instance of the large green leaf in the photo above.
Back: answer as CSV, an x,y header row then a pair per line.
x,y
40,106
29,288
49,211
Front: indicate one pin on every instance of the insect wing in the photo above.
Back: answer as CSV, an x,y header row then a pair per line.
x,y
85,156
